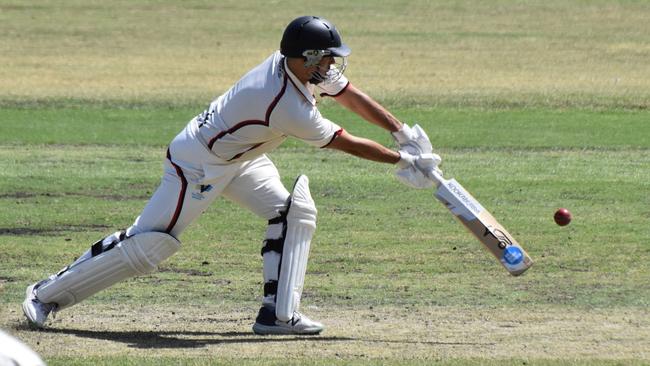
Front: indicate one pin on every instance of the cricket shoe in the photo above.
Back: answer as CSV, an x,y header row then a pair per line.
x,y
35,310
267,323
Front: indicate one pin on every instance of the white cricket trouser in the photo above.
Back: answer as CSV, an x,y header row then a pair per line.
x,y
178,202
184,193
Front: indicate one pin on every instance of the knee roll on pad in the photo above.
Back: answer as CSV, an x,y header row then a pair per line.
x,y
137,255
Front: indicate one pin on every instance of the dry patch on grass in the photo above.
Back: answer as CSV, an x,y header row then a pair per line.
x,y
552,52
380,333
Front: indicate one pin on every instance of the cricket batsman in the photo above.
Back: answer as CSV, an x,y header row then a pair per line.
x,y
221,152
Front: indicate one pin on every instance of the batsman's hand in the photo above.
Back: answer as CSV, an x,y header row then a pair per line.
x,y
413,140
414,169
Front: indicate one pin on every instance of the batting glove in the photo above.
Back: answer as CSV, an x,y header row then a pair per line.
x,y
414,169
413,140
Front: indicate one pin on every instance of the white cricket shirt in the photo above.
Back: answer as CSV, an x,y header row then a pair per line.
x,y
261,110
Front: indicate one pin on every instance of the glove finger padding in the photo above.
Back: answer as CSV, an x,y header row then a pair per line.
x,y
416,174
422,140
403,135
413,140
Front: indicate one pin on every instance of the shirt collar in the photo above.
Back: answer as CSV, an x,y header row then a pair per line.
x,y
304,90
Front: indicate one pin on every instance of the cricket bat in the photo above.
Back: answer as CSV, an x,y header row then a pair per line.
x,y
482,224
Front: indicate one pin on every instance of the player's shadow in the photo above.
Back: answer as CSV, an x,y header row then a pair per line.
x,y
185,339
199,339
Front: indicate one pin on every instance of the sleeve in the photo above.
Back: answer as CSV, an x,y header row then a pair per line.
x,y
333,89
307,125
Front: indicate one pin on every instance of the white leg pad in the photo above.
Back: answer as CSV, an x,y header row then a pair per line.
x,y
301,224
137,255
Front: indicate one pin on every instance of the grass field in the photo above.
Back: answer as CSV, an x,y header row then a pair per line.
x,y
533,106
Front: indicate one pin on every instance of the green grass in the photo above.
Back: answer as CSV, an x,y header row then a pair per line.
x,y
379,245
94,181
519,128
462,52
532,105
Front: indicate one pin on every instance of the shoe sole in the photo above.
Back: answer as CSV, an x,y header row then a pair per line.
x,y
262,329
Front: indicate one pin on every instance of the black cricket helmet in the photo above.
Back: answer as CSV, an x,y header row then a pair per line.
x,y
312,33
313,38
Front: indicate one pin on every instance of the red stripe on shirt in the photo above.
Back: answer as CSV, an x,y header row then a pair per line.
x,y
244,152
235,128
267,118
336,134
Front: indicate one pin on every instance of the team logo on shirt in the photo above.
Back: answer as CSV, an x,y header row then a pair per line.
x,y
199,190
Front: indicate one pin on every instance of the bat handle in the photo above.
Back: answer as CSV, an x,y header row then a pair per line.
x,y
435,176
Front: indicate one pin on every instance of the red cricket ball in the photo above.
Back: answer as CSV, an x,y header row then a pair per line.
x,y
562,217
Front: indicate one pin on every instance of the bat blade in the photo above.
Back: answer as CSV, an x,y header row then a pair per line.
x,y
484,226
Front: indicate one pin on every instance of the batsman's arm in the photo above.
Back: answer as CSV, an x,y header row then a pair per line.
x,y
367,108
364,148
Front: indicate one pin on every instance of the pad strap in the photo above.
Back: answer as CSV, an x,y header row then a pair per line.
x,y
100,247
276,243
273,245
271,288
271,252
137,255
